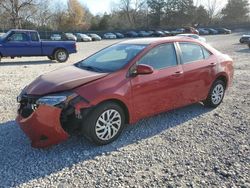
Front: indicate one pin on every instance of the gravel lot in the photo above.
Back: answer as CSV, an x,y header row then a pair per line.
x,y
188,147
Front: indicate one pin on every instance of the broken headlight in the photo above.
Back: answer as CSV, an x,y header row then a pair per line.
x,y
56,99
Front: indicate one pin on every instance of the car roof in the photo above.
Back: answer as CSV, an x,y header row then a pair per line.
x,y
155,40
23,30
187,34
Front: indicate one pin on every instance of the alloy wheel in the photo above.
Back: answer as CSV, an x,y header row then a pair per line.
x,y
108,124
217,94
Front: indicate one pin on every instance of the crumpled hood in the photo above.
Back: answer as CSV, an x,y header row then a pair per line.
x,y
62,79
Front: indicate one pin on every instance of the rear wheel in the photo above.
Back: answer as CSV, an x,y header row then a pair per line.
x,y
216,94
61,55
105,123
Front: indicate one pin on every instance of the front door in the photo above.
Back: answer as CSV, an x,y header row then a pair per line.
x,y
161,90
17,45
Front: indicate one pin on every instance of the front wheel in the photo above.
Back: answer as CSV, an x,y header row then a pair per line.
x,y
61,55
105,123
216,94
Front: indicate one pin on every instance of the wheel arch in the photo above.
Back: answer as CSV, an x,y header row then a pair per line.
x,y
59,48
224,78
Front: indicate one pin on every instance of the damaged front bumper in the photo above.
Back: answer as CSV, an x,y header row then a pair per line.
x,y
43,126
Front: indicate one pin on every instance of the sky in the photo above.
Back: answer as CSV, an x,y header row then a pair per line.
x,y
102,6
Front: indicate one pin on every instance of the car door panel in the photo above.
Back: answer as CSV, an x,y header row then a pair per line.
x,y
157,92
198,74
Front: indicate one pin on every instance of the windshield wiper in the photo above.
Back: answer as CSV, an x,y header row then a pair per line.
x,y
91,68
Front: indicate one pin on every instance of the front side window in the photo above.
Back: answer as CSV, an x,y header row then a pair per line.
x,y
191,52
206,53
112,58
18,37
160,57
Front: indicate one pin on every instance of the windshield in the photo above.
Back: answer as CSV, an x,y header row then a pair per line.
x,y
112,58
5,34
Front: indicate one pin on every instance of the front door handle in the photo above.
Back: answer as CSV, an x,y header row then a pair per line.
x,y
178,73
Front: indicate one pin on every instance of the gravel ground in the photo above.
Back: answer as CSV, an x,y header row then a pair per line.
x,y
188,147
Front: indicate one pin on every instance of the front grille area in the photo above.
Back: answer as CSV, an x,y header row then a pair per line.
x,y
27,105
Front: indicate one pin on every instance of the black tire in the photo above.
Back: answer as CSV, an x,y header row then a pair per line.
x,y
90,123
211,100
249,45
51,58
61,55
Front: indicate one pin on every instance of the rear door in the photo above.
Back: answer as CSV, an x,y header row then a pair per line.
x,y
199,71
35,44
17,44
161,90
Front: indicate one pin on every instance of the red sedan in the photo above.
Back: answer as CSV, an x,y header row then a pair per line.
x,y
120,85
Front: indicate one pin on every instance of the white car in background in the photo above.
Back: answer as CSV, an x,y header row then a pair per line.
x,y
109,36
55,37
202,39
83,37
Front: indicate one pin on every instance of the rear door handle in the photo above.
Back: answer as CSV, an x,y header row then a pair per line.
x,y
213,64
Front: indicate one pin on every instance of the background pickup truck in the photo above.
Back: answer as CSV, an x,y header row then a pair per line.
x,y
18,43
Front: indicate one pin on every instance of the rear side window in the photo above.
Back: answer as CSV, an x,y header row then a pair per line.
x,y
18,37
191,52
160,57
34,36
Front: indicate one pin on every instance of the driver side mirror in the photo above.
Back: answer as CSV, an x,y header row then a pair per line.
x,y
143,69
8,39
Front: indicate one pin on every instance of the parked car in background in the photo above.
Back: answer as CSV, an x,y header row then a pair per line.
x,y
95,37
83,37
191,30
167,33
56,37
158,34
202,39
223,31
131,34
18,43
119,35
143,34
109,36
203,31
212,31
245,38
177,31
69,36
120,85
248,43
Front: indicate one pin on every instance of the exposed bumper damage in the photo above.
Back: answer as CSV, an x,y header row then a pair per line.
x,y
49,125
43,126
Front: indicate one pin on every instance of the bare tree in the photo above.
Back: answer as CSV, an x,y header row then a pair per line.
x,y
213,7
43,13
131,9
15,8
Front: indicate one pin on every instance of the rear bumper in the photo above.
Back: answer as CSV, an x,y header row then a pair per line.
x,y
43,127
